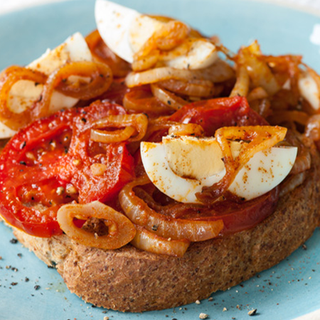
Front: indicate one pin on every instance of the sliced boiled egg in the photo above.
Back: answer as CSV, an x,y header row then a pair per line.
x,y
181,166
125,31
309,89
24,92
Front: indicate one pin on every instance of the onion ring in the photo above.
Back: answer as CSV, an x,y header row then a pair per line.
x,y
168,98
219,71
260,137
140,214
133,123
192,88
148,241
9,77
120,230
100,73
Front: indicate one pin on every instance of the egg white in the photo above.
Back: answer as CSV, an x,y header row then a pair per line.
x,y
24,92
264,171
125,31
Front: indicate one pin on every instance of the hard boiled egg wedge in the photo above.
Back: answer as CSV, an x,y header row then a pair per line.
x,y
125,31
181,166
24,92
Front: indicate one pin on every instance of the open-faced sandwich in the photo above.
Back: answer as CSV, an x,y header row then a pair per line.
x,y
152,166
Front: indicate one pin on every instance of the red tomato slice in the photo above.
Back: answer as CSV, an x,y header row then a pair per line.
x,y
216,113
238,216
49,156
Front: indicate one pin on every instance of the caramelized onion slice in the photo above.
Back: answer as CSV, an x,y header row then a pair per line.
x,y
312,129
285,116
120,229
192,88
99,73
141,100
8,78
148,241
219,71
259,72
241,86
259,138
170,35
186,129
102,53
132,123
164,226
170,99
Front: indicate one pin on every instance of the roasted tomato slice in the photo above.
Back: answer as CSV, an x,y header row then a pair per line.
x,y
216,113
238,215
47,164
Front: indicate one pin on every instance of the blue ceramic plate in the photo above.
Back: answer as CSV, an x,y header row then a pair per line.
x,y
31,291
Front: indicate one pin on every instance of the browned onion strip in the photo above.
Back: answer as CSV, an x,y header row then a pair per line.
x,y
171,35
148,241
112,136
292,182
140,214
166,38
219,71
303,160
258,70
175,128
192,88
241,86
315,76
132,124
257,93
137,101
102,53
101,79
186,129
312,129
260,137
289,116
168,98
134,79
147,62
9,77
120,229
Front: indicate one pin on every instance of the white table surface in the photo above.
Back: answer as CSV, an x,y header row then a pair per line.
x,y
306,5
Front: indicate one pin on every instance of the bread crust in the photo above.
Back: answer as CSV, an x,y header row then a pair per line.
x,y
132,280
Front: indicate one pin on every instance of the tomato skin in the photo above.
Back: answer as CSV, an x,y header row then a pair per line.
x,y
103,188
237,215
244,215
40,160
216,113
83,153
14,173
